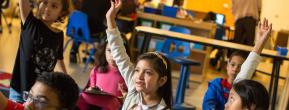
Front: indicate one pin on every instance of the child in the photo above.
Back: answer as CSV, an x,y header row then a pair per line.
x,y
50,92
104,77
248,95
41,45
218,90
149,82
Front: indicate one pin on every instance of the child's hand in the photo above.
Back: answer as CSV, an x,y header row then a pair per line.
x,y
264,30
111,13
123,89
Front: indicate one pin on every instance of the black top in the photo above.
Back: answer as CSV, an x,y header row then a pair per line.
x,y
38,52
96,10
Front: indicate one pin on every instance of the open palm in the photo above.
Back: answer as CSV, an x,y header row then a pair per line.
x,y
264,29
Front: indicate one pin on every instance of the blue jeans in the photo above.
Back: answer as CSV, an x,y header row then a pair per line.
x,y
15,96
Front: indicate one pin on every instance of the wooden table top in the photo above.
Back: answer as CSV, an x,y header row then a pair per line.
x,y
197,24
207,41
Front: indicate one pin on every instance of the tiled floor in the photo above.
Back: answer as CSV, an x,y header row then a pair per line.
x,y
194,95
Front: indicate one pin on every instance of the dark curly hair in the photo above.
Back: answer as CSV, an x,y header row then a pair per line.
x,y
63,85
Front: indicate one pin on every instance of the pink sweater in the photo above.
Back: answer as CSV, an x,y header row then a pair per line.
x,y
108,82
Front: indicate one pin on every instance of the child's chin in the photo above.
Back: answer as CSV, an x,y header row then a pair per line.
x,y
139,89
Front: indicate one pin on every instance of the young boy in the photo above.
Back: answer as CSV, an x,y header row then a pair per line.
x,y
54,90
218,90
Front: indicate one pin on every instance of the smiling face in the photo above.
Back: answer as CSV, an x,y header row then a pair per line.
x,y
50,10
42,97
146,79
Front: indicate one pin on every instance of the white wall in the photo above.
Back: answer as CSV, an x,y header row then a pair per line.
x,y
277,11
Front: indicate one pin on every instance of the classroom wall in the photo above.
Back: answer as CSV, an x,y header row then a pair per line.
x,y
275,10
218,6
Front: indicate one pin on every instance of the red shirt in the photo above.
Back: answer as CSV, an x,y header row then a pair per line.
x,y
14,106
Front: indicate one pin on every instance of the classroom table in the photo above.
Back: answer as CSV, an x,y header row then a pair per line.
x,y
151,32
206,28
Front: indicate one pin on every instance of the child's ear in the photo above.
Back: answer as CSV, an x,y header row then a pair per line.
x,y
163,80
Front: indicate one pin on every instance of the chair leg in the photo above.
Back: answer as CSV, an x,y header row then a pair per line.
x,y
91,53
188,78
181,86
66,44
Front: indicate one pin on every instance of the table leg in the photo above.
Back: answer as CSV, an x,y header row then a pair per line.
x,y
275,85
145,44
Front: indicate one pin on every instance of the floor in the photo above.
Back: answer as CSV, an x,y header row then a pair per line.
x,y
194,95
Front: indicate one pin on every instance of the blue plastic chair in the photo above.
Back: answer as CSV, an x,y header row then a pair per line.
x,y
78,30
180,57
170,11
178,44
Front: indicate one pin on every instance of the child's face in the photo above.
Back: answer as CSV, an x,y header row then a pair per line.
x,y
234,66
234,101
50,10
42,97
146,79
108,56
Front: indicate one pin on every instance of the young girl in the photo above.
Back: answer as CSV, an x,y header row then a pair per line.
x,y
218,90
104,78
41,45
149,82
248,95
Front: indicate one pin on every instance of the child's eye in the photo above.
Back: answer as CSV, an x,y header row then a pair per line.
x,y
148,72
54,6
136,70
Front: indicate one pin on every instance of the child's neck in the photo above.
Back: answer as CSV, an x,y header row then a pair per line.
x,y
230,80
150,99
49,25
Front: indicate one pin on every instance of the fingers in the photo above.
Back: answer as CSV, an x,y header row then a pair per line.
x,y
112,4
259,25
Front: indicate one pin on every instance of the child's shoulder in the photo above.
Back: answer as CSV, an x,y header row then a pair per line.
x,y
55,30
216,80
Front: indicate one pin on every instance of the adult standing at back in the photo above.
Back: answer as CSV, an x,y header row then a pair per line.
x,y
247,13
95,10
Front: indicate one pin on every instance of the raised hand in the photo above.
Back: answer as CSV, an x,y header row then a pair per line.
x,y
111,13
263,33
264,30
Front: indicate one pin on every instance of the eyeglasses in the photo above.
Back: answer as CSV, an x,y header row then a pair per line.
x,y
39,102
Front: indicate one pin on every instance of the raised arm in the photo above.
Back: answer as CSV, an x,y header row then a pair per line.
x,y
24,9
252,61
116,45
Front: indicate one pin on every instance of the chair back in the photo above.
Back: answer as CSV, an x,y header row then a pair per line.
x,y
169,11
77,27
152,10
181,48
